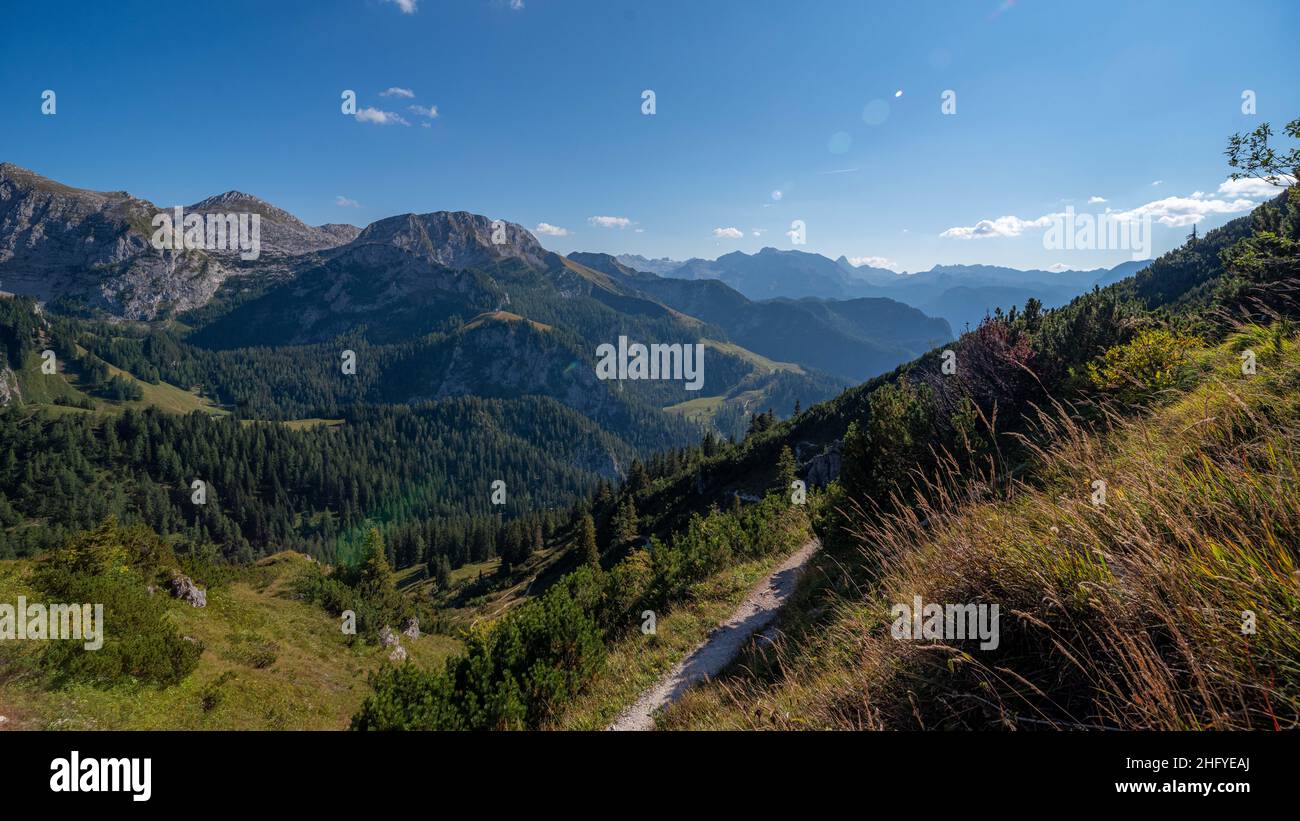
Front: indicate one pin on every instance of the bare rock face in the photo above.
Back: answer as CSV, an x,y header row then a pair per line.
x,y
387,637
56,240
456,239
282,234
184,588
398,654
9,391
824,468
412,627
341,232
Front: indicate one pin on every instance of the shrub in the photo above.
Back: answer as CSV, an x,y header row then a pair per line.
x,y
113,566
513,675
368,589
1138,370
878,455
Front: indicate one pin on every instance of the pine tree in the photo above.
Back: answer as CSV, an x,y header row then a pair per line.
x,y
636,478
588,553
785,470
625,523
377,576
440,569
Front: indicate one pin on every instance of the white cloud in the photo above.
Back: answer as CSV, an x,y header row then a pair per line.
x,y
379,117
345,202
1009,226
873,262
758,232
407,6
728,233
1095,200
1158,182
1058,267
517,5
609,222
1258,189
424,111
549,230
395,91
1175,212
1179,212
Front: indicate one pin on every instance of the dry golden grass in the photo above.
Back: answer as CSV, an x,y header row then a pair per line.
x,y
1125,615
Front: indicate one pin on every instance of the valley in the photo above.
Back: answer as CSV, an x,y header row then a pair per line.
x,y
451,476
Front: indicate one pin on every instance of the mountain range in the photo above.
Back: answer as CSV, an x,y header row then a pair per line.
x,y
451,304
436,306
59,241
961,294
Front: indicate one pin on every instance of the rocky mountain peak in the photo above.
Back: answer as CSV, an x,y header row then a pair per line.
x,y
228,198
282,233
456,239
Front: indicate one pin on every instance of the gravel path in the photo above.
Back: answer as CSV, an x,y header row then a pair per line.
x,y
757,611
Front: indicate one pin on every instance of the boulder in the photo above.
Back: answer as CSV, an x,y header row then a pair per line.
x,y
184,588
412,627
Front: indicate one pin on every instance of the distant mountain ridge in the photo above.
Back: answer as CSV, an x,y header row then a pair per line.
x,y
785,325
856,339
961,294
662,266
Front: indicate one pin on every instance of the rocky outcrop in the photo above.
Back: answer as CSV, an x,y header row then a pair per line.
x,y
389,638
184,588
342,232
9,390
282,234
56,240
823,468
457,240
412,628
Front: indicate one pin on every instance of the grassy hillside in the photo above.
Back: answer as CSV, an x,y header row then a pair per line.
x,y
66,388
1123,615
269,661
1171,604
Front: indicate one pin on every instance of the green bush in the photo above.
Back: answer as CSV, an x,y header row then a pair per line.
x,y
513,675
368,589
141,644
879,455
1136,371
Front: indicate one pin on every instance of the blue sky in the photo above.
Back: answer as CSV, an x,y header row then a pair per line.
x,y
538,115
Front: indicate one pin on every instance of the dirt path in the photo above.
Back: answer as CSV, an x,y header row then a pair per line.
x,y
757,611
